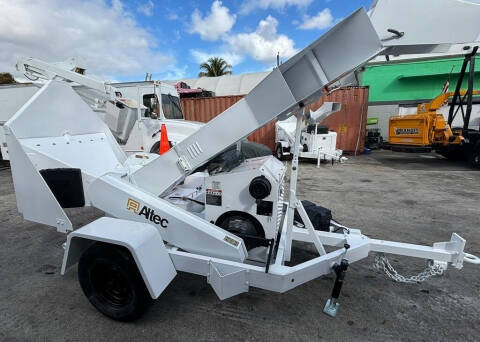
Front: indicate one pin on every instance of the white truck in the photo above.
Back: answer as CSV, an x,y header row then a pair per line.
x,y
185,211
136,127
316,141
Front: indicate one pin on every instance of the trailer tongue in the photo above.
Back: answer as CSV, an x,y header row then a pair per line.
x,y
229,224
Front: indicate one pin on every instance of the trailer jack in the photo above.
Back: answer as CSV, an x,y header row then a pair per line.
x,y
332,305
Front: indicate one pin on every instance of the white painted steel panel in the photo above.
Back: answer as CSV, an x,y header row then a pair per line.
x,y
425,23
111,194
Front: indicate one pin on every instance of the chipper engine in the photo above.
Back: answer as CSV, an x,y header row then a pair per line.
x,y
226,221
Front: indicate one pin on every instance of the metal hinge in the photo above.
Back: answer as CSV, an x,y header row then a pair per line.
x,y
184,164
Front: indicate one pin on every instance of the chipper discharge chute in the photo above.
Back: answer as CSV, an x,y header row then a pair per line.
x,y
201,207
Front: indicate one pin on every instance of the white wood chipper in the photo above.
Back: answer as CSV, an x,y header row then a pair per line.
x,y
194,211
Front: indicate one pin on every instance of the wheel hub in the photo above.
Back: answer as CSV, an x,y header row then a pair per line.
x,y
111,284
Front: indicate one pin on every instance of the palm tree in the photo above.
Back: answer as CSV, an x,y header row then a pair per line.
x,y
6,78
215,66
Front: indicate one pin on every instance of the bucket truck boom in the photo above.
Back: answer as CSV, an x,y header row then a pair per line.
x,y
133,111
72,69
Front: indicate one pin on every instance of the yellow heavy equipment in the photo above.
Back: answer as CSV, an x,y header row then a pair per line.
x,y
428,129
425,130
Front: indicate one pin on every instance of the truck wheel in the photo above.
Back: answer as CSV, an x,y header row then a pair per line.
x,y
112,283
156,147
279,152
474,158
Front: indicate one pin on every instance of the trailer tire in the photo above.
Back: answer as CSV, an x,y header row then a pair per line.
x,y
112,283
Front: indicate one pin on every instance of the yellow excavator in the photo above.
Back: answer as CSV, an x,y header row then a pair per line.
x,y
428,129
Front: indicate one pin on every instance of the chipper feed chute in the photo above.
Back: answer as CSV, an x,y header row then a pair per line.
x,y
63,156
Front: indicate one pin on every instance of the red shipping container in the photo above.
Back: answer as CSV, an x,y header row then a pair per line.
x,y
349,122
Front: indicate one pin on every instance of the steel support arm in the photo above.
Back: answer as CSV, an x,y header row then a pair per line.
x,y
48,71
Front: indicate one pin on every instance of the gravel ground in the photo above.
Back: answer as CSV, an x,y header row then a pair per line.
x,y
402,197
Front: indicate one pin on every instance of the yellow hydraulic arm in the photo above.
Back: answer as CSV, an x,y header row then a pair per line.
x,y
439,101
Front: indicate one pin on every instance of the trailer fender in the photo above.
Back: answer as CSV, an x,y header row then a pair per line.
x,y
142,240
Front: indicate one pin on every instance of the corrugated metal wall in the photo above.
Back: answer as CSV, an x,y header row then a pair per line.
x,y
349,122
204,109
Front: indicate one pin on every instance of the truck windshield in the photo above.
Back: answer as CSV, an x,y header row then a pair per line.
x,y
171,107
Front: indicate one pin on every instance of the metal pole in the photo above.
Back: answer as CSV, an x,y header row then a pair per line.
x,y
456,95
466,121
292,200
139,111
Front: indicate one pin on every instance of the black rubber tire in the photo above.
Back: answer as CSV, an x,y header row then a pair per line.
x,y
239,223
156,147
279,152
112,283
474,159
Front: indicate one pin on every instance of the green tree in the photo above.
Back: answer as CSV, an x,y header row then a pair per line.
x,y
215,66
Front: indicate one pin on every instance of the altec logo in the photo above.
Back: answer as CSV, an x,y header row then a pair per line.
x,y
149,213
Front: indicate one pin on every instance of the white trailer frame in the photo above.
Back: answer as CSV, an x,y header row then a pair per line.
x,y
46,135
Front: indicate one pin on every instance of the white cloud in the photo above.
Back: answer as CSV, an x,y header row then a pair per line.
x,y
146,8
216,23
322,20
107,37
251,5
202,56
173,73
263,44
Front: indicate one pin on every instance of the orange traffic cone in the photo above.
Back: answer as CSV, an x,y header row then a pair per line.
x,y
164,144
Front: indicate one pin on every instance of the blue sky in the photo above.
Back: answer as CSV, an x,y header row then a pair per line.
x,y
123,39
174,28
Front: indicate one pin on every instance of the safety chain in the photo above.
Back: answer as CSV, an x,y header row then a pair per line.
x,y
382,264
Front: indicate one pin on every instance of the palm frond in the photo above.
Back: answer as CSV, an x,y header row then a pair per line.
x,y
215,66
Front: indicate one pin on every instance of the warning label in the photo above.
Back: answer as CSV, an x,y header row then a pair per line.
x,y
213,197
